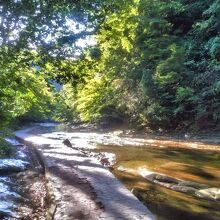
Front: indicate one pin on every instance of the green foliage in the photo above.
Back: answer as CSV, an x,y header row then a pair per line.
x,y
5,149
213,46
156,63
65,107
24,91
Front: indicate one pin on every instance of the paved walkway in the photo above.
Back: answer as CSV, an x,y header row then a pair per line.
x,y
82,187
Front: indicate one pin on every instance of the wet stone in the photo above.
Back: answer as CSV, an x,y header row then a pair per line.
x,y
84,180
13,142
184,189
189,187
210,194
12,165
7,198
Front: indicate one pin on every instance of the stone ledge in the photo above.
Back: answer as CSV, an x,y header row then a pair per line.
x,y
118,202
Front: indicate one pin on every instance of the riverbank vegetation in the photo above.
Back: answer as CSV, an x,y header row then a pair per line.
x,y
148,63
156,63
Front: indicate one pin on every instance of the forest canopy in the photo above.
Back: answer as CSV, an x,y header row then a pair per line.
x,y
147,62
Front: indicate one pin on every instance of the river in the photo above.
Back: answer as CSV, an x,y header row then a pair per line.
x,y
132,160
131,155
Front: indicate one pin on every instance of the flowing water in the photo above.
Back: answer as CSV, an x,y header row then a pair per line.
x,y
133,155
186,164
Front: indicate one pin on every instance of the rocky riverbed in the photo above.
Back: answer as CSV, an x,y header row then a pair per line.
x,y
81,188
174,179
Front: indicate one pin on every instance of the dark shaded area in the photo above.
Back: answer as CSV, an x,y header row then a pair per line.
x,y
200,172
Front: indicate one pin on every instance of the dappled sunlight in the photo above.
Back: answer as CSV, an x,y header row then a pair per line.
x,y
131,159
70,166
168,203
148,66
113,138
183,163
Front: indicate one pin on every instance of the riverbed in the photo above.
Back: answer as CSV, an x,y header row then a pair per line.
x,y
191,165
127,156
130,157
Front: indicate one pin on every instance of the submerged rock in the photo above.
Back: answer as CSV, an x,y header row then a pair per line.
x,y
164,179
189,187
184,189
210,194
122,169
192,184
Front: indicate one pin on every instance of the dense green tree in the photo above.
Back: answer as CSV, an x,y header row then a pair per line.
x,y
160,60
154,62
36,38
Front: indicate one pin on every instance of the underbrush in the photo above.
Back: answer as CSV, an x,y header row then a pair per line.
x,y
5,148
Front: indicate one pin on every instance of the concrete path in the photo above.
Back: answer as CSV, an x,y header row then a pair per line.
x,y
82,188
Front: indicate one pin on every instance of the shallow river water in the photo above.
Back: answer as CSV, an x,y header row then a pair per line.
x,y
193,165
132,155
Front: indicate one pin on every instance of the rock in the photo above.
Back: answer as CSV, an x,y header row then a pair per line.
x,y
184,189
209,193
121,168
111,158
106,159
13,142
5,211
193,184
67,143
12,165
7,198
167,185
136,193
192,188
166,179
150,177
6,193
160,178
10,169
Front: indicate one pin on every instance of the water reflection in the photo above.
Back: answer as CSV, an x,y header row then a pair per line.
x,y
193,165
